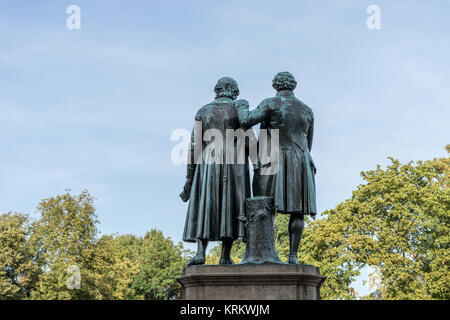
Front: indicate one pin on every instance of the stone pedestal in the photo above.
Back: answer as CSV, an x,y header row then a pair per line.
x,y
251,282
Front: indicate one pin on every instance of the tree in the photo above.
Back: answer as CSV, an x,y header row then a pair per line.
x,y
160,262
236,254
323,246
17,269
397,222
119,270
73,263
333,265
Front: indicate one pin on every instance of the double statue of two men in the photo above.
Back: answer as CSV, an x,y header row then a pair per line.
x,y
217,191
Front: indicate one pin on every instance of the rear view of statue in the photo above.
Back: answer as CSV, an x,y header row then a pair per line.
x,y
292,186
216,190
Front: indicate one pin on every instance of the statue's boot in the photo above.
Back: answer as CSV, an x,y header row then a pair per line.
x,y
293,259
296,225
199,258
294,241
227,260
226,251
196,260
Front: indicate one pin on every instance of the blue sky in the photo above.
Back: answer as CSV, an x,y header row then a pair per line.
x,y
95,108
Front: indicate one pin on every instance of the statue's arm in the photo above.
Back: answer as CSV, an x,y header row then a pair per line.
x,y
310,134
191,161
191,164
247,118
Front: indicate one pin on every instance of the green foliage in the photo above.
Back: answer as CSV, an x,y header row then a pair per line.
x,y
160,262
323,245
17,269
339,269
64,239
111,267
236,254
114,272
397,222
282,236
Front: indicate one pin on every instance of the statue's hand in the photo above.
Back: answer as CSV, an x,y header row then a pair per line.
x,y
185,194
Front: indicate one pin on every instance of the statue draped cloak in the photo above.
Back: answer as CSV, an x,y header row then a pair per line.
x,y
219,190
293,184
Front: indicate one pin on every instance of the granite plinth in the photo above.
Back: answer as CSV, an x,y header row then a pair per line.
x,y
251,282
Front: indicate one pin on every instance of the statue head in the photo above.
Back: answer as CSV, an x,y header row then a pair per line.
x,y
284,81
226,87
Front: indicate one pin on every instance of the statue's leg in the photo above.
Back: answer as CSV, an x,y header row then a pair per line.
x,y
296,225
225,257
199,258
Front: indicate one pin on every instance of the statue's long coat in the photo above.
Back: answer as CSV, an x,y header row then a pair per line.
x,y
219,191
293,185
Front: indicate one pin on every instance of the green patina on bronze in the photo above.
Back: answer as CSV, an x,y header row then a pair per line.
x,y
293,187
217,192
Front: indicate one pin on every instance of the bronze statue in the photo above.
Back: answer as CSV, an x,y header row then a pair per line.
x,y
216,190
293,185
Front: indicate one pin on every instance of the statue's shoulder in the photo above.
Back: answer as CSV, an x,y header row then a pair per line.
x,y
241,102
305,108
204,110
272,102
275,99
